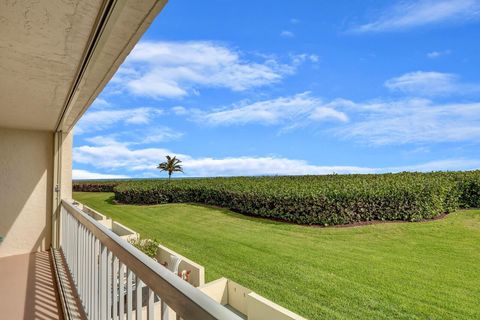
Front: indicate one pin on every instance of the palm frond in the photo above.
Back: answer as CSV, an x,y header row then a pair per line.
x,y
171,165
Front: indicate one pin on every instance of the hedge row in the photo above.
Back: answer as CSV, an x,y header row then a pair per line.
x,y
324,200
94,186
469,189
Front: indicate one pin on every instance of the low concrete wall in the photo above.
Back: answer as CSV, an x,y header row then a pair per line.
x,y
197,272
260,308
245,301
118,228
93,213
237,296
124,232
217,290
226,291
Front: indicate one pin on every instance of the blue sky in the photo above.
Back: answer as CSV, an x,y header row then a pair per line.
x,y
292,87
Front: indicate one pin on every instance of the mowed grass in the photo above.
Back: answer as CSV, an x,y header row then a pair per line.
x,y
428,270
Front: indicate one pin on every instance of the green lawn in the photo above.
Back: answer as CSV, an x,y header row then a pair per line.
x,y
386,271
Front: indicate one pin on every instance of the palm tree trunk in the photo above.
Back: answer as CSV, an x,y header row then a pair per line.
x,y
169,176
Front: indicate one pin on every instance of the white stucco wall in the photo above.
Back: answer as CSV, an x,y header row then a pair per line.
x,y
66,166
26,174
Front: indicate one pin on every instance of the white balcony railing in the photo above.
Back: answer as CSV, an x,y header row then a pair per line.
x,y
114,280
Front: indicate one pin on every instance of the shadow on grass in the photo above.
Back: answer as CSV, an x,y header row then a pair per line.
x,y
238,215
111,200
228,212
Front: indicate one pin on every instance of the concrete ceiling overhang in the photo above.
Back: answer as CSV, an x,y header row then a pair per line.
x,y
57,56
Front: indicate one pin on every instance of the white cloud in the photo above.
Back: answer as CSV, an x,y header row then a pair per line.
x,y
160,134
425,83
137,136
103,140
175,69
294,21
413,121
117,155
298,59
114,155
410,14
103,119
430,84
324,113
78,174
284,110
143,162
262,166
437,54
100,102
314,58
287,34
179,110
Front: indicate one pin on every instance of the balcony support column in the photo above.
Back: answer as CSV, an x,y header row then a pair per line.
x,y
62,178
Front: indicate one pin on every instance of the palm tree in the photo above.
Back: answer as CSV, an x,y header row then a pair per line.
x,y
171,165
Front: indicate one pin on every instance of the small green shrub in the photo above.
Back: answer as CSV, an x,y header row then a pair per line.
x,y
147,246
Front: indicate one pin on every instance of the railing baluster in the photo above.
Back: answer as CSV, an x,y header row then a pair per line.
x,y
62,227
67,239
96,265
85,264
88,284
81,261
138,295
69,253
109,284
80,258
115,287
129,294
92,277
103,281
88,291
70,242
121,295
75,251
151,304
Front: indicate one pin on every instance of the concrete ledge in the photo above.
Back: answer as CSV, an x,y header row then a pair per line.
x,y
197,272
217,290
245,302
118,228
260,308
123,231
93,213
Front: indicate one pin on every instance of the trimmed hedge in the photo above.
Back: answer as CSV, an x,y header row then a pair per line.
x,y
94,186
323,200
469,189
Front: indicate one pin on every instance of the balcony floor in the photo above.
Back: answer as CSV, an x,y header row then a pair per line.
x,y
27,287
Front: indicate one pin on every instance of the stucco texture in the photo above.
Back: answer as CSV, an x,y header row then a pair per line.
x,y
26,165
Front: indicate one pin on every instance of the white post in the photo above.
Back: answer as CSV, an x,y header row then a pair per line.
x,y
172,266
